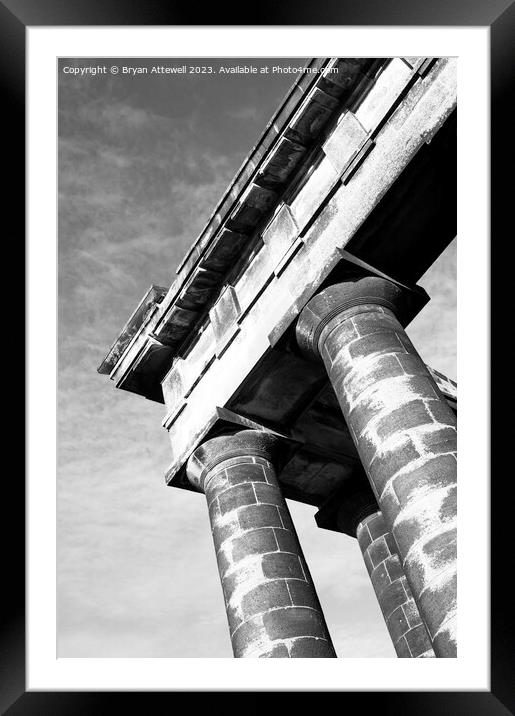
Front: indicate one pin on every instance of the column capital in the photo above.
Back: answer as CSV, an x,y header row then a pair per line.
x,y
354,510
347,507
242,443
338,300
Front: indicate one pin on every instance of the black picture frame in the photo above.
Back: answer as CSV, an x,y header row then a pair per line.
x,y
15,17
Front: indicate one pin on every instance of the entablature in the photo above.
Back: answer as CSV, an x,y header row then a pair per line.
x,y
284,163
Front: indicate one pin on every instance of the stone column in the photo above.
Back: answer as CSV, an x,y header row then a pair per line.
x,y
271,602
403,429
358,516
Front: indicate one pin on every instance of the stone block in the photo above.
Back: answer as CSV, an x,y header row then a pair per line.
x,y
438,601
392,546
436,554
402,649
244,472
357,161
380,578
423,387
224,532
268,494
266,464
393,597
255,516
437,472
200,287
215,483
223,561
230,581
311,116
249,474
281,232
363,536
378,551
383,466
382,342
265,596
178,323
342,74
302,594
384,367
213,507
418,640
288,257
410,415
281,163
335,337
292,622
397,624
224,315
394,567
389,504
444,643
440,441
313,192
237,461
376,526
247,634
235,497
422,518
368,562
384,93
412,364
255,542
256,203
412,614
344,142
173,385
442,413
278,652
223,251
281,565
286,519
369,322
307,648
234,614
448,507
287,541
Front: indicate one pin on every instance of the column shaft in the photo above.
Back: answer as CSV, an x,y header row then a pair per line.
x,y
271,602
405,434
407,630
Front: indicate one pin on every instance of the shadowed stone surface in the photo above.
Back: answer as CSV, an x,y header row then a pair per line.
x,y
403,429
402,617
271,602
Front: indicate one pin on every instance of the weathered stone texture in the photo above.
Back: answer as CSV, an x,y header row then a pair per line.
x,y
406,628
404,431
272,606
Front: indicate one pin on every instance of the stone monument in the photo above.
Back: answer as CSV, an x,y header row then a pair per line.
x,y
281,357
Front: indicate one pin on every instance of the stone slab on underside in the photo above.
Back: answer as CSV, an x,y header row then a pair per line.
x,y
252,208
281,164
225,248
345,142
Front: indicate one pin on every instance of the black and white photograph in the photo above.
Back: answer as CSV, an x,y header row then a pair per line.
x,y
247,315
257,381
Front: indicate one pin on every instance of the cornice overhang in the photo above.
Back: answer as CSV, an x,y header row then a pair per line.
x,y
153,335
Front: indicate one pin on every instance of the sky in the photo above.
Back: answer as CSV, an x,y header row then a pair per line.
x,y
143,160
